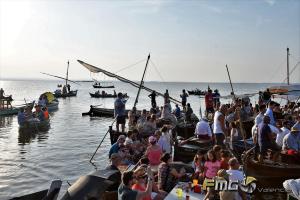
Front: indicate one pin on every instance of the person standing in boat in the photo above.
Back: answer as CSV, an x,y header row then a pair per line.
x,y
270,112
184,96
64,89
209,102
266,141
153,99
120,112
216,96
219,127
1,93
292,140
69,88
166,97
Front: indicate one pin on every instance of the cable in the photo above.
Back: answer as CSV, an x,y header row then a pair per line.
x,y
276,71
157,71
129,66
290,73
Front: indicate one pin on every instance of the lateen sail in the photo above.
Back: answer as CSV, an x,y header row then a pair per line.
x,y
94,69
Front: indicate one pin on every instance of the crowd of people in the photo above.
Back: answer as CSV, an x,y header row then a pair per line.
x,y
275,128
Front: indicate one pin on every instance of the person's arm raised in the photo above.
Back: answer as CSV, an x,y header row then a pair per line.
x,y
148,190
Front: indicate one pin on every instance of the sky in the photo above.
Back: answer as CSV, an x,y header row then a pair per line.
x,y
189,41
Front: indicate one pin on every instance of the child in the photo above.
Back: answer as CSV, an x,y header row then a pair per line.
x,y
217,149
225,156
198,165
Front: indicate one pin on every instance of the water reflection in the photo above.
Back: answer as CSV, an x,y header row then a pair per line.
x,y
28,136
6,121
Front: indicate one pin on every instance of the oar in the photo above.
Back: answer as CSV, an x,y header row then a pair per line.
x,y
103,139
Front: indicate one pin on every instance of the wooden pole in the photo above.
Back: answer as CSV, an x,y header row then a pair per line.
x,y
67,75
141,84
288,66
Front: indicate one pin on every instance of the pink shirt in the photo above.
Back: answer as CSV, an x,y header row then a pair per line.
x,y
154,156
212,168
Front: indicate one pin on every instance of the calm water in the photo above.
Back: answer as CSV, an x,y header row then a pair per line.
x,y
28,163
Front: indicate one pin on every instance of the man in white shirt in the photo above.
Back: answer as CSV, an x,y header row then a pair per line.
x,y
284,131
260,116
203,130
236,175
165,140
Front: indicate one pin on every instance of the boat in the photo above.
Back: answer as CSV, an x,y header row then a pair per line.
x,y
52,102
100,95
98,85
9,111
59,94
35,125
196,92
102,112
64,92
185,150
269,174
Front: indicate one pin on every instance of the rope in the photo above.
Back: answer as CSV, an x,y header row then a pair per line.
x,y
157,71
129,66
294,68
276,71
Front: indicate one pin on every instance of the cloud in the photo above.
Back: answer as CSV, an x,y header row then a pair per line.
x,y
270,2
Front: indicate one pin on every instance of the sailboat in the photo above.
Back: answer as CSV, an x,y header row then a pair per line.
x,y
66,91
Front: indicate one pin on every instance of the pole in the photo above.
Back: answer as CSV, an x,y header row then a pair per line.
x,y
142,82
103,139
288,66
239,113
67,75
230,83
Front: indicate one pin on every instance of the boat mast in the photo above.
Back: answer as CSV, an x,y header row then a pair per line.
x,y
142,83
67,75
230,83
288,66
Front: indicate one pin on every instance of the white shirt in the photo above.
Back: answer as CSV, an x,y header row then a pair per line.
x,y
165,142
236,175
128,141
217,124
203,128
259,118
280,136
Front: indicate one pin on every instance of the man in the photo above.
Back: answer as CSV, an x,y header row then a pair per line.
x,y
283,132
166,97
216,96
266,141
219,128
126,193
203,130
260,116
292,140
115,160
297,125
236,175
116,146
188,113
270,113
120,112
153,99
183,96
1,93
209,102
177,111
69,88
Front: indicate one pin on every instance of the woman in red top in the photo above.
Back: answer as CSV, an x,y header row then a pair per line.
x,y
153,152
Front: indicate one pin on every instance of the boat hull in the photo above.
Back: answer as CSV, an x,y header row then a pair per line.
x,y
186,152
99,86
12,111
53,106
72,93
102,112
95,95
35,126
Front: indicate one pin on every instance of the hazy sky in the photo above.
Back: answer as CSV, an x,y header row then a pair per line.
x,y
188,40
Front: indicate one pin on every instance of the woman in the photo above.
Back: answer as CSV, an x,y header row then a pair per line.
x,y
141,184
153,152
234,134
198,165
167,176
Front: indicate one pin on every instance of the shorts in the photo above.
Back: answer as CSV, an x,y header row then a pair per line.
x,y
183,103
121,119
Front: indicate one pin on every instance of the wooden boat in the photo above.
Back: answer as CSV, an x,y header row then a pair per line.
x,y
269,174
95,85
9,111
53,106
35,125
239,147
99,95
72,93
101,112
48,194
196,92
185,150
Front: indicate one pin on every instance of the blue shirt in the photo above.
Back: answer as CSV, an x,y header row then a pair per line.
x,y
119,107
291,141
269,112
177,112
263,131
21,118
113,149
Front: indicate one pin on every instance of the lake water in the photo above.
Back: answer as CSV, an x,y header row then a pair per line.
x,y
28,163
